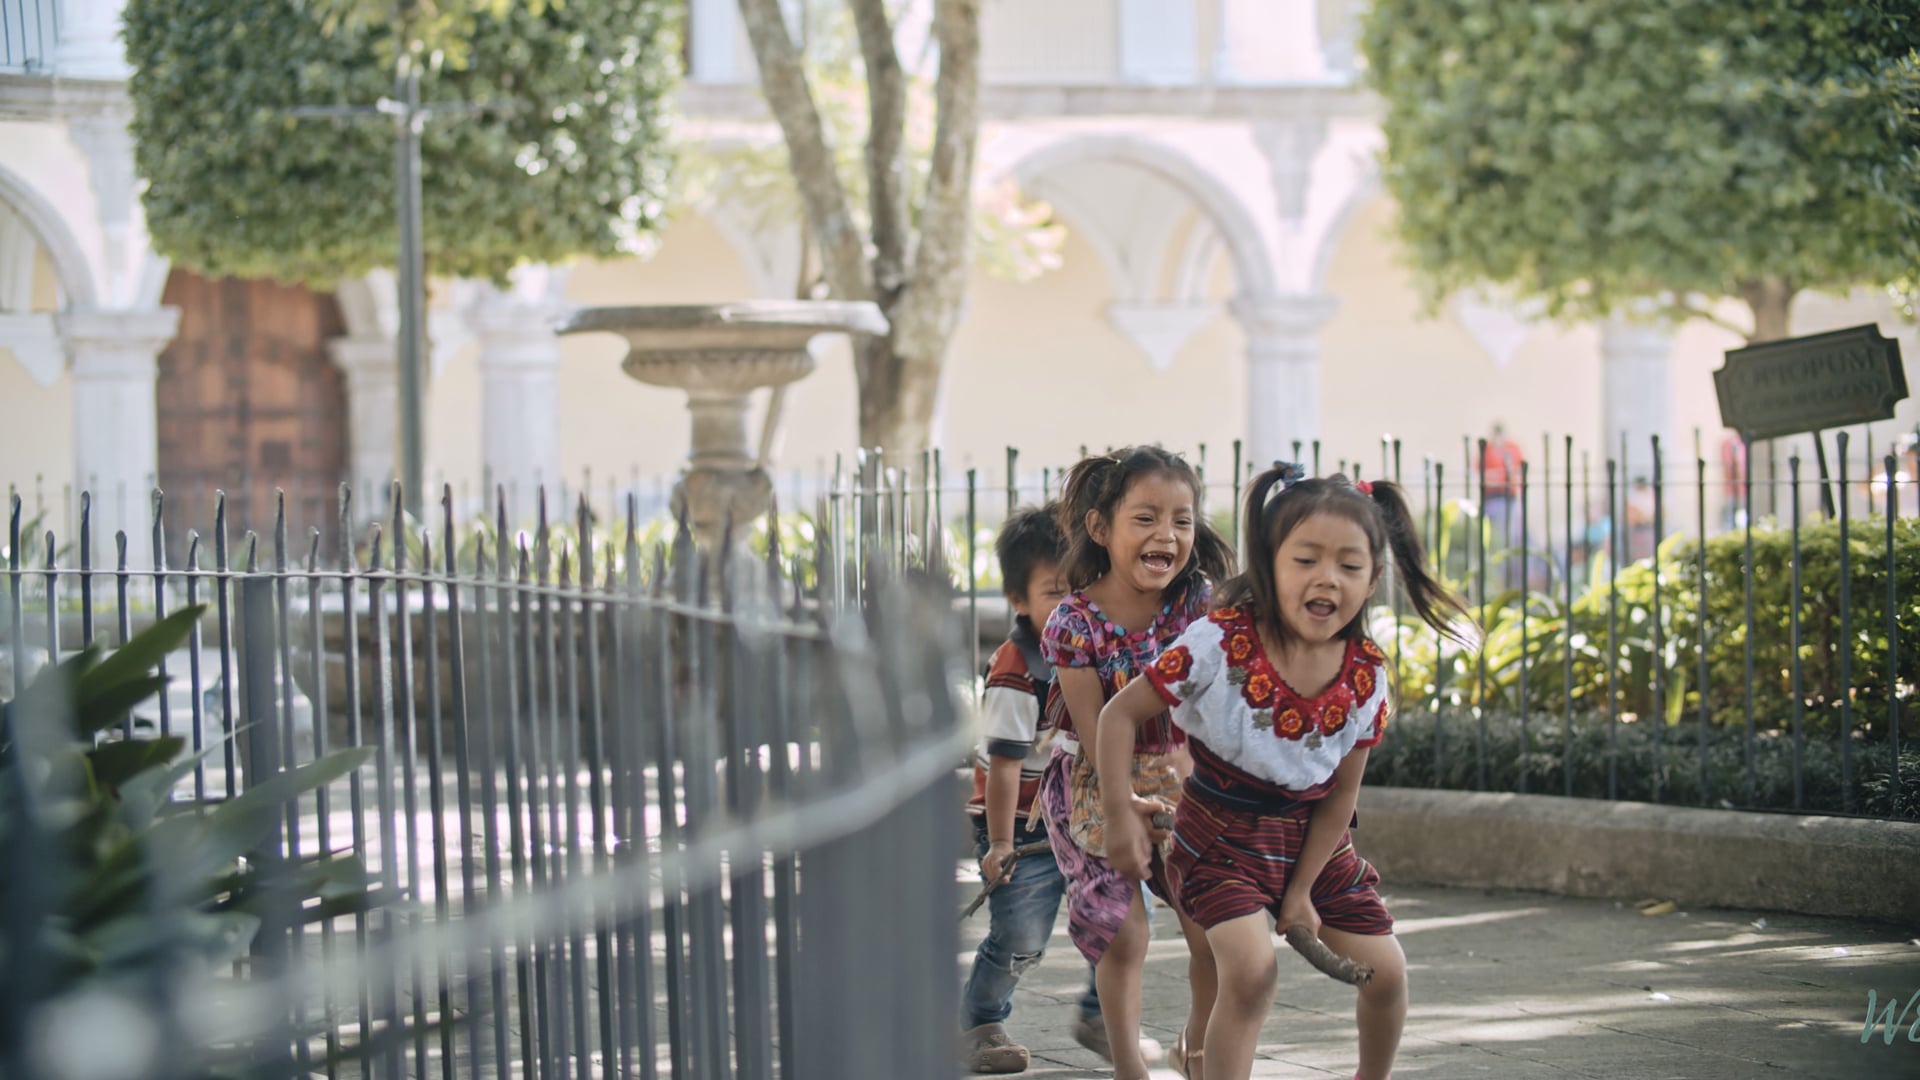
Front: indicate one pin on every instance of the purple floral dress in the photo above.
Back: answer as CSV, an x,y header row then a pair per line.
x,y
1080,635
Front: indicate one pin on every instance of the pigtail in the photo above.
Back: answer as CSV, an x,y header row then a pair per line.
x,y
1087,490
1252,587
1437,606
1212,556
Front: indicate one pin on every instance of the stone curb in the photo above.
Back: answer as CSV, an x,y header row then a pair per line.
x,y
1848,867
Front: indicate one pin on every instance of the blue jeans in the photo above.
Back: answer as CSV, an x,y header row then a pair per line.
x,y
1021,915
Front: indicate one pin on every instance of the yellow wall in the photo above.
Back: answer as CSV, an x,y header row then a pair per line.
x,y
46,282
610,424
37,451
1390,368
1041,367
38,444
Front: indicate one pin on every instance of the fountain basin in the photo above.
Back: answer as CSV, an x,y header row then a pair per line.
x,y
720,354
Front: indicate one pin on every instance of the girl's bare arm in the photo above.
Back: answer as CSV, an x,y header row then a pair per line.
x,y
1329,822
1134,705
1129,840
1080,689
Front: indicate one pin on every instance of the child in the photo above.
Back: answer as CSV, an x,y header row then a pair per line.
x,y
1139,557
1282,693
1015,751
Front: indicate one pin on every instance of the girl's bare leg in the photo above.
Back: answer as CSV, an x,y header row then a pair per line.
x,y
1381,1013
1243,953
1118,977
1203,983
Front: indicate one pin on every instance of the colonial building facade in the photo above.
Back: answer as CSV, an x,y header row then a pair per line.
x,y
1228,273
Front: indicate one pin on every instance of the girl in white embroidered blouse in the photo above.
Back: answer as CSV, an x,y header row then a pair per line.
x,y
1281,694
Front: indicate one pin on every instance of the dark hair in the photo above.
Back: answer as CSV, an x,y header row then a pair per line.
x,y
1381,512
1097,485
1031,536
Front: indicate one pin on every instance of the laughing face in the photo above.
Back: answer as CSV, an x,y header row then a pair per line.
x,y
1150,537
1323,574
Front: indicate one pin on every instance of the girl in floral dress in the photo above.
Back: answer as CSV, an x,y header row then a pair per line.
x,y
1139,560
1281,693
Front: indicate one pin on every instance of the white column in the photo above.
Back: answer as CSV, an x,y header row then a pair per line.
x,y
116,360
1637,394
1283,371
1159,42
372,368
89,46
519,397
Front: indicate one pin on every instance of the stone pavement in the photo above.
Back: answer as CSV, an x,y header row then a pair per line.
x,y
1518,986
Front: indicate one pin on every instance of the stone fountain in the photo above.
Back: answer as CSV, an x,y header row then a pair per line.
x,y
720,354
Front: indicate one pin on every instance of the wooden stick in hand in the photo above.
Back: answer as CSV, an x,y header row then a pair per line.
x,y
1326,960
1032,847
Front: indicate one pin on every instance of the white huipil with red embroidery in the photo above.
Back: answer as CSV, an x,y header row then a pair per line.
x,y
1226,693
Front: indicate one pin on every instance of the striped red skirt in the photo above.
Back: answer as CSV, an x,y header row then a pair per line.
x,y
1227,862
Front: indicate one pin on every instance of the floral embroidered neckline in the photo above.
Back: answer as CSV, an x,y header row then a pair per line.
x,y
1274,704
1105,622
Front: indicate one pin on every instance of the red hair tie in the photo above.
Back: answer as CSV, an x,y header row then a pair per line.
x,y
1364,487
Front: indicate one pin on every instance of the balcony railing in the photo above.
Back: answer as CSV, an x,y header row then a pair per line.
x,y
28,30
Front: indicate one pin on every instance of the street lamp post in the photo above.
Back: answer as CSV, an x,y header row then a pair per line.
x,y
410,274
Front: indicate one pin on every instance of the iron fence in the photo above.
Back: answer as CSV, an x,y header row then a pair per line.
x,y
1650,628
630,809
1710,598
627,807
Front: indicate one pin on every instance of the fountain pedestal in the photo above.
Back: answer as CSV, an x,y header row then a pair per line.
x,y
720,354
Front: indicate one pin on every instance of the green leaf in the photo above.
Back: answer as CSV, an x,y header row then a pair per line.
x,y
241,823
1673,149
138,656
115,763
570,159
142,797
110,708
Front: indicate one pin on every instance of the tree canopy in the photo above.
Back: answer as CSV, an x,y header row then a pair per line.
x,y
568,157
1592,153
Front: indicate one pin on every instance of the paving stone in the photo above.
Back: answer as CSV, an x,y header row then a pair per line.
x,y
1520,986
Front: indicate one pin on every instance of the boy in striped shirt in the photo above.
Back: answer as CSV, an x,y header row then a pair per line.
x,y
1013,756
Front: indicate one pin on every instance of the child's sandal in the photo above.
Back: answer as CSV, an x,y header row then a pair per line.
x,y
1185,1062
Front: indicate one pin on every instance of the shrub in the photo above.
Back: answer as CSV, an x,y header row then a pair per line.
x,y
1653,664
1442,750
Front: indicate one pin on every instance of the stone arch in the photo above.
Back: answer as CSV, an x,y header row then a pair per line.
x,y
1363,192
63,249
1230,217
1065,203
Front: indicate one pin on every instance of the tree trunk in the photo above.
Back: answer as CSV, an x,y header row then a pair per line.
x,y
1771,300
898,395
918,280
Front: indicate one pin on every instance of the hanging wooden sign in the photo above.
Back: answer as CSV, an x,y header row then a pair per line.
x,y
1811,383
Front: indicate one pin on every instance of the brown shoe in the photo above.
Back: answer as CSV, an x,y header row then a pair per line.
x,y
988,1050
1092,1034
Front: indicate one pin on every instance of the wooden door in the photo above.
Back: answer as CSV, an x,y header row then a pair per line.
x,y
249,402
